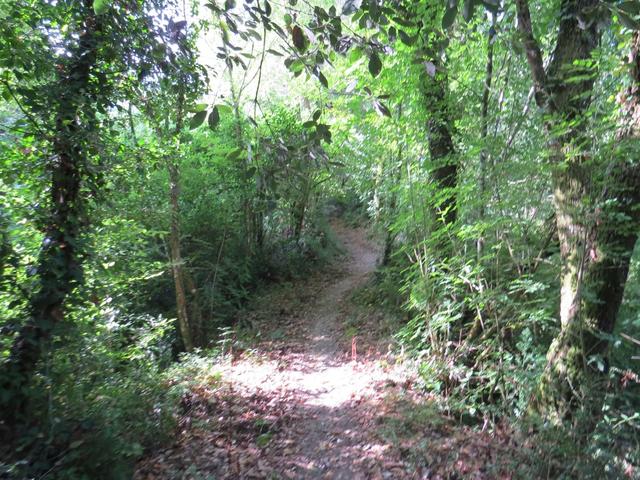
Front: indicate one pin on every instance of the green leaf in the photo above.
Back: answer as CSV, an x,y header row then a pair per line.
x,y
323,80
299,40
214,118
197,119
263,440
404,22
381,108
355,54
234,154
632,7
323,132
101,6
224,109
296,66
375,64
449,17
467,9
406,38
628,21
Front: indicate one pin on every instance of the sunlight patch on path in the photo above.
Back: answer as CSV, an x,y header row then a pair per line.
x,y
316,379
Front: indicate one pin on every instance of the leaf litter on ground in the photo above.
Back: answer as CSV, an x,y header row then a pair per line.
x,y
299,404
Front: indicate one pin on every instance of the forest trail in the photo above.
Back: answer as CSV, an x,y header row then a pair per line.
x,y
326,386
298,402
302,402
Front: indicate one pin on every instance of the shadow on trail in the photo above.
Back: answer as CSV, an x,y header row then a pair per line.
x,y
227,435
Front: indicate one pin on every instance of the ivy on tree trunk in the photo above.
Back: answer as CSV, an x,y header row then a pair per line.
x,y
59,263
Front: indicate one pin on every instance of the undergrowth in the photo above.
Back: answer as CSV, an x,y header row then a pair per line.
x,y
490,379
115,392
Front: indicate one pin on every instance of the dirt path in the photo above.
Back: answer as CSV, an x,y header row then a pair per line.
x,y
293,403
331,440
329,429
297,405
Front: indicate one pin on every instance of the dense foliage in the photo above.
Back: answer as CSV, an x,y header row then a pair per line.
x,y
161,162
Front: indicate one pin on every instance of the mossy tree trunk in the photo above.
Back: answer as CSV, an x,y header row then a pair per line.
x,y
434,86
597,231
440,138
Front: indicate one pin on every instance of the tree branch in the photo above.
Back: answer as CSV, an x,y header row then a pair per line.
x,y
534,55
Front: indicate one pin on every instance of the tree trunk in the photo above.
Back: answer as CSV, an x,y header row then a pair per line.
x,y
391,210
299,211
441,149
597,265
434,84
595,244
249,217
176,257
378,175
301,205
484,128
5,244
174,234
175,248
194,313
59,262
